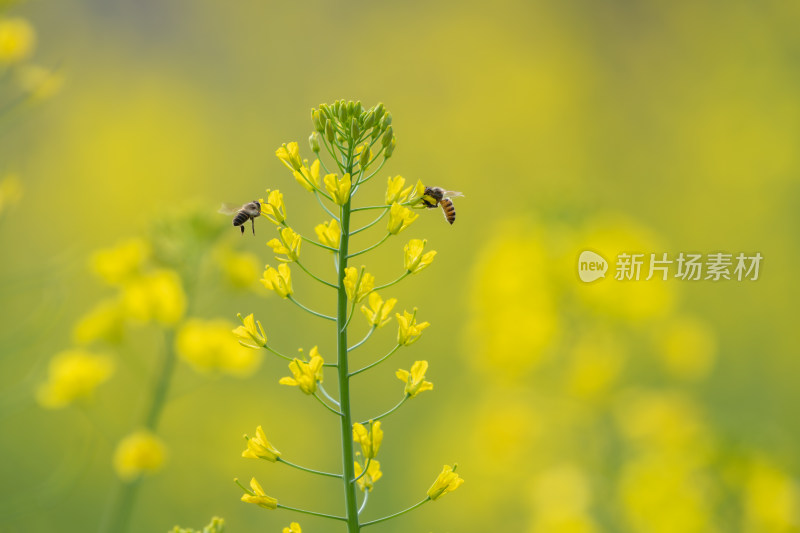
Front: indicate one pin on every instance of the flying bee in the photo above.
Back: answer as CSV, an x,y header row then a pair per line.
x,y
434,196
249,211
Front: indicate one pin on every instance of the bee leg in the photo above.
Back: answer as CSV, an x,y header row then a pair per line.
x,y
242,228
252,223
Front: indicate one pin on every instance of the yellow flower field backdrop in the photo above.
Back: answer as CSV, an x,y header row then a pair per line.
x,y
650,406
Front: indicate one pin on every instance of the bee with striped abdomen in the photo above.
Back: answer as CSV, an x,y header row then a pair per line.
x,y
249,211
434,196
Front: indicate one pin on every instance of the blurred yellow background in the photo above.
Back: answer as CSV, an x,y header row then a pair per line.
x,y
660,406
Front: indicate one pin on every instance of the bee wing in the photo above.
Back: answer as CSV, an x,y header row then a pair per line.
x,y
229,209
453,194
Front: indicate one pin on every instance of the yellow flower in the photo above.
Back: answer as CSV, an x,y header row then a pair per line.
x,y
415,260
357,284
290,155
370,440
409,331
139,453
294,527
415,380
40,83
17,40
448,481
10,191
104,322
273,208
258,447
288,245
279,280
399,218
73,375
373,474
395,192
156,296
307,176
259,497
248,332
239,268
306,374
120,263
208,347
378,311
339,189
329,233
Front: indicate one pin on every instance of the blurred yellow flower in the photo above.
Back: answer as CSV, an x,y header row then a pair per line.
x,y
399,218
157,295
373,474
378,311
207,346
248,333
369,439
290,155
448,481
415,380
307,176
329,233
73,375
240,269
10,191
259,447
17,39
305,374
105,321
288,244
259,497
414,260
409,331
597,360
395,192
357,284
339,189
687,347
273,208
561,491
294,527
139,453
120,263
279,280
38,82
771,499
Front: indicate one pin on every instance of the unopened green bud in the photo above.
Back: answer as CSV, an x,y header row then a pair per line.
x,y
313,142
329,134
325,109
340,138
354,130
387,152
342,113
379,111
316,118
369,120
387,137
387,120
366,156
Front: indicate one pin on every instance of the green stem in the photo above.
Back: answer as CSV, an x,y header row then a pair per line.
x,y
426,500
365,250
362,341
390,411
315,277
348,469
398,280
363,472
315,243
328,407
359,230
312,513
364,501
379,361
303,307
304,469
125,496
325,207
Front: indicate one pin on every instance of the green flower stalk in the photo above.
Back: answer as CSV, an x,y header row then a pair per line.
x,y
356,142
